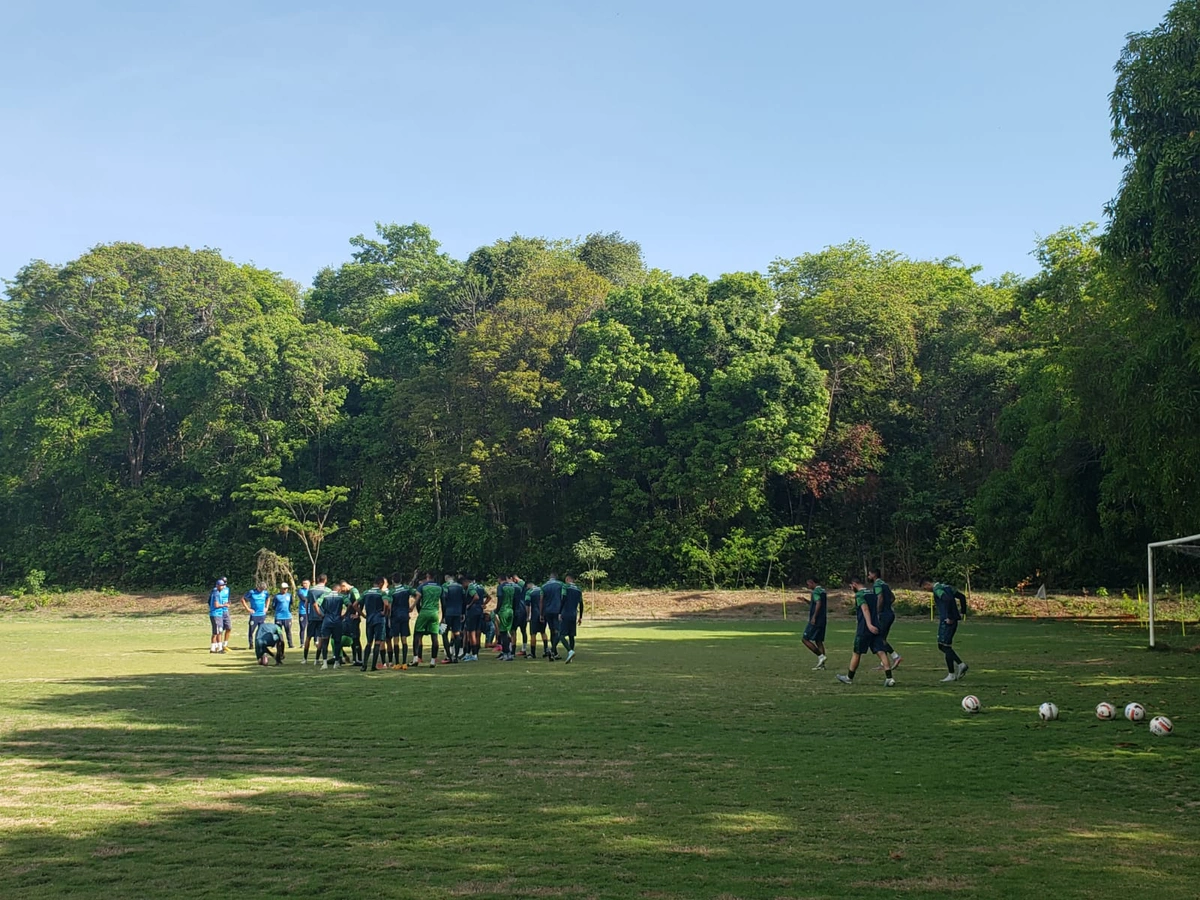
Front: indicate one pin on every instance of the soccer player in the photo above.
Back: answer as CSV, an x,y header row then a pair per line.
x,y
506,591
866,638
316,614
302,608
281,606
376,609
268,641
537,624
218,614
454,606
352,620
401,621
552,593
948,617
571,616
473,618
884,599
520,613
814,632
332,605
429,603
255,603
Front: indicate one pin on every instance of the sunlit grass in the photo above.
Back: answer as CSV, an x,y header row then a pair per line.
x,y
680,760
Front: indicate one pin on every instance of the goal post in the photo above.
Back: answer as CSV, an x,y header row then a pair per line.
x,y
1189,545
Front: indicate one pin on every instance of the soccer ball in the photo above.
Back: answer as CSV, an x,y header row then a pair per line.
x,y
1161,726
1135,712
970,703
1106,711
265,659
1048,712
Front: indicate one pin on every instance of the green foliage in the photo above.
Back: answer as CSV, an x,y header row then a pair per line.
x,y
852,407
306,514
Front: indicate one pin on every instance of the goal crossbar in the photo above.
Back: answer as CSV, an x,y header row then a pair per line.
x,y
1173,544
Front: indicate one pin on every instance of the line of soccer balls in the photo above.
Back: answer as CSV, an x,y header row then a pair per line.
x,y
1160,726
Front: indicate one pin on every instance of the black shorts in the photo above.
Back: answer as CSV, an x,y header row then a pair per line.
x,y
314,627
568,626
401,626
473,621
520,616
377,631
537,625
814,632
946,632
885,625
865,642
553,621
453,624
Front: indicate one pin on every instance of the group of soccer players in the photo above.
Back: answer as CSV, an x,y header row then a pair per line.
x,y
875,615
455,609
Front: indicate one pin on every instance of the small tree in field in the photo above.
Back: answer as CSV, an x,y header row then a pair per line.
x,y
273,570
591,551
306,514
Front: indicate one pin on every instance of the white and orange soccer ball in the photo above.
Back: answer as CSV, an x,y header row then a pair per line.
x,y
1048,712
1135,712
1106,711
970,703
1161,726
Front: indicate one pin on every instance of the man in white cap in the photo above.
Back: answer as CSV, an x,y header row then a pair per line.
x,y
281,603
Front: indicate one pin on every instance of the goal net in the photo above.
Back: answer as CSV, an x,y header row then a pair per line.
x,y
1187,546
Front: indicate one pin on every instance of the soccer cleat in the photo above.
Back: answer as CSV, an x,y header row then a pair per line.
x,y
844,679
889,682
896,660
432,663
819,667
961,670
416,661
570,655
323,665
951,677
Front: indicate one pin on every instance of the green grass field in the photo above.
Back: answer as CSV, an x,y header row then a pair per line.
x,y
676,760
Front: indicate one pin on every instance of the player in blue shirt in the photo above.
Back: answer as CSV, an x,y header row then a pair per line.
x,y
255,603
218,616
948,615
302,608
281,606
814,632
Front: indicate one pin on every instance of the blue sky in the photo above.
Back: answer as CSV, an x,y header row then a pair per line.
x,y
719,135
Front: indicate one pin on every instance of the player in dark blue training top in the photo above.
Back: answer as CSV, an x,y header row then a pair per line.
x,y
571,616
454,607
866,637
268,642
332,604
552,595
949,614
884,600
376,606
814,631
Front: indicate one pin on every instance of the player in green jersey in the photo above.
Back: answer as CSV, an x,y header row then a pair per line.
x,y
506,592
814,632
429,618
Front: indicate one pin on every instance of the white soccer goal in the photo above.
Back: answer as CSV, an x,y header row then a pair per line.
x,y
1187,545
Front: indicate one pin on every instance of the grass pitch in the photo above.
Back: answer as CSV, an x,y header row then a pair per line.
x,y
671,760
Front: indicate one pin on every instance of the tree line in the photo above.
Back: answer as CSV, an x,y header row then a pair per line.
x,y
845,407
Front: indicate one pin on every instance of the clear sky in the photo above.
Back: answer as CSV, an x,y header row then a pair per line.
x,y
719,135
